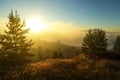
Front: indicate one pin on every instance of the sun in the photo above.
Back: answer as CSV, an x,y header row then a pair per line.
x,y
35,24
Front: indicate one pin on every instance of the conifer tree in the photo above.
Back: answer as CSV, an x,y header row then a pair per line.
x,y
15,46
94,42
116,46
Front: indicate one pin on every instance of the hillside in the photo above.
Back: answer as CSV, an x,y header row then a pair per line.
x,y
78,68
46,49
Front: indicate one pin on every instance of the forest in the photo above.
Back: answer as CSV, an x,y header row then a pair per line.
x,y
55,60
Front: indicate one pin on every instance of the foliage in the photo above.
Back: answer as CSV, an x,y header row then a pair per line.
x,y
116,46
15,45
94,42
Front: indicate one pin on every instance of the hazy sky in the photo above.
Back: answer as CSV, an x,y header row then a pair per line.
x,y
67,17
86,13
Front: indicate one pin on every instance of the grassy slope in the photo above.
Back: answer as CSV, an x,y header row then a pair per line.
x,y
77,68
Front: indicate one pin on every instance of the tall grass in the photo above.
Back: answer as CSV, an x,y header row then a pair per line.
x,y
77,68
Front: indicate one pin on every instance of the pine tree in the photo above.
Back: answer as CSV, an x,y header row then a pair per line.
x,y
15,46
1,50
116,46
94,42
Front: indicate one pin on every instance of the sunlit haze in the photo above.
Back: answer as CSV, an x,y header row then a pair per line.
x,y
64,20
59,39
36,24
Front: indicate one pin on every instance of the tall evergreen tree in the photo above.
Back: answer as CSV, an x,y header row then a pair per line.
x,y
15,45
94,41
116,46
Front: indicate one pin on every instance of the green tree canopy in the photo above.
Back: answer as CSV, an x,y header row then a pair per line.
x,y
94,42
14,44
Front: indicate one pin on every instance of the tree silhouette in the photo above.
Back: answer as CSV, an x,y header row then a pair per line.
x,y
116,46
15,46
94,42
60,55
55,55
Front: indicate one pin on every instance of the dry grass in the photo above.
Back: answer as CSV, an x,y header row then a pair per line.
x,y
77,68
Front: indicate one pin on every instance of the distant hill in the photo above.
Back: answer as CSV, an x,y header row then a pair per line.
x,y
46,49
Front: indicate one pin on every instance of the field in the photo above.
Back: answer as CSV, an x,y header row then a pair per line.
x,y
80,67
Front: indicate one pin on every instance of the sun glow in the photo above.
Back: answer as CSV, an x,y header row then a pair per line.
x,y
36,25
